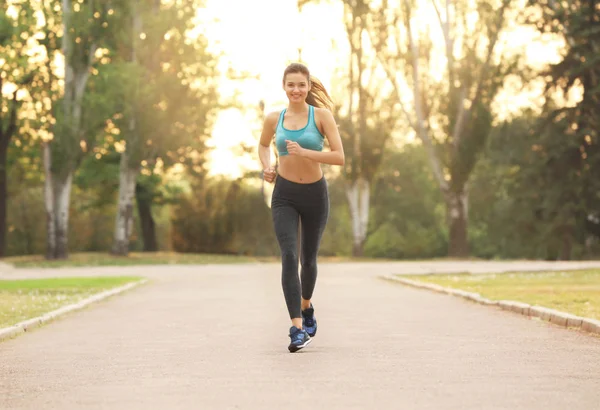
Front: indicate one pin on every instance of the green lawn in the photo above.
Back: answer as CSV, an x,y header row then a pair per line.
x,y
134,258
25,299
152,258
576,292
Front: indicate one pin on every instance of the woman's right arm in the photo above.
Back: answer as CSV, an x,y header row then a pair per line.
x,y
264,146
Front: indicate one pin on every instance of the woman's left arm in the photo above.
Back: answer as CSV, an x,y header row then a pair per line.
x,y
333,157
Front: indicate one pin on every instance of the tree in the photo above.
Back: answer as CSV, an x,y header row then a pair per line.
x,y
569,150
366,125
17,73
452,115
407,216
170,96
129,167
365,122
79,116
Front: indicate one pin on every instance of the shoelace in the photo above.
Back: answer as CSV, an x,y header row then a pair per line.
x,y
309,321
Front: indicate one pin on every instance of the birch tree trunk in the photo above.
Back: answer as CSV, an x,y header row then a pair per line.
x,y
62,199
49,202
62,184
358,195
358,187
128,172
76,78
124,218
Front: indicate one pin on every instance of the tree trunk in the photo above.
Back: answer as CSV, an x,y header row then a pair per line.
x,y
124,219
457,208
28,228
57,191
144,204
567,243
358,195
3,193
49,202
127,173
6,134
62,195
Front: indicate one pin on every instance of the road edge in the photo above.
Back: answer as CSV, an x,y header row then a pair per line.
x,y
26,325
542,313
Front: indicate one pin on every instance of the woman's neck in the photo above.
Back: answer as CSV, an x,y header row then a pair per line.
x,y
298,107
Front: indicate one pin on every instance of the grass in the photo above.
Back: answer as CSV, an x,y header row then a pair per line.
x,y
134,258
575,292
151,258
25,299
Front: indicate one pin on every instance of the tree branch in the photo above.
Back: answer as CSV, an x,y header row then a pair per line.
x,y
12,122
393,79
92,55
389,74
421,130
460,117
445,26
485,68
66,9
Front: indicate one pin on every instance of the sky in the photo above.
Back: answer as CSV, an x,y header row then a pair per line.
x,y
261,37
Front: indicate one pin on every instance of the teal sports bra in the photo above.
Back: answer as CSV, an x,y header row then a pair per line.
x,y
308,137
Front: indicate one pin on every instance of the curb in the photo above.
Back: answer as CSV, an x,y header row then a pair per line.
x,y
556,317
22,327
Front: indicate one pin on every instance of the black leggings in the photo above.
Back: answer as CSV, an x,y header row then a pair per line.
x,y
308,203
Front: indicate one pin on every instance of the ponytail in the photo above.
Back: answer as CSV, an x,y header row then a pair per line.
x,y
318,96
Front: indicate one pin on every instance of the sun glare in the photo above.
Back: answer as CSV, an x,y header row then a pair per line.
x,y
259,49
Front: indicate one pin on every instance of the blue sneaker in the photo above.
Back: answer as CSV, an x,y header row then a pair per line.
x,y
309,323
299,339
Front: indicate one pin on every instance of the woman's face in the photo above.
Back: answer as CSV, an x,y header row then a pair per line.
x,y
296,87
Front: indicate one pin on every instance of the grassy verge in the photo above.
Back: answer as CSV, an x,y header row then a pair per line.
x,y
25,299
576,292
134,258
151,258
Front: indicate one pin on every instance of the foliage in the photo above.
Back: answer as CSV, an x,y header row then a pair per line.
x,y
407,214
531,181
223,216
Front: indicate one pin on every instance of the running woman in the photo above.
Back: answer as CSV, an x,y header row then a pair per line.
x,y
300,194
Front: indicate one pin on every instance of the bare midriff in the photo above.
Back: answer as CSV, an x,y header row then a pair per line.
x,y
299,169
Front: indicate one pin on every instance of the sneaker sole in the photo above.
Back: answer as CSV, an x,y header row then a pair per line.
x,y
294,348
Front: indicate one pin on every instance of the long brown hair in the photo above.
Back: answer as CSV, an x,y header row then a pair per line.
x,y
317,96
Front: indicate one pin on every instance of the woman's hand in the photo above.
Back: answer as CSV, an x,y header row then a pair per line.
x,y
269,174
293,148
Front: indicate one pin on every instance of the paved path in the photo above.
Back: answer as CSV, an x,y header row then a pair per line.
x,y
215,337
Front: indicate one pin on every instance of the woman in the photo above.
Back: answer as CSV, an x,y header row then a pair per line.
x,y
300,194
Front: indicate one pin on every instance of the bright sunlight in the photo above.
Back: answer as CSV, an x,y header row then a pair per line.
x,y
258,39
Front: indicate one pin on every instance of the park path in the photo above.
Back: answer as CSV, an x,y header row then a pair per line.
x,y
215,337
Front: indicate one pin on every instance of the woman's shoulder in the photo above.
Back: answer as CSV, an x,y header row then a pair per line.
x,y
273,116
322,113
